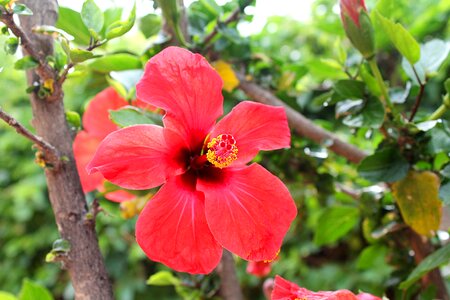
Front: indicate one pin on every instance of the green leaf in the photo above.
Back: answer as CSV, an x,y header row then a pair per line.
x,y
33,291
119,28
444,193
130,115
418,200
92,16
432,261
22,9
110,16
403,41
371,115
116,62
7,296
70,21
384,165
334,223
150,25
73,118
432,55
163,278
128,78
60,56
11,45
439,138
447,85
52,31
25,63
78,55
350,89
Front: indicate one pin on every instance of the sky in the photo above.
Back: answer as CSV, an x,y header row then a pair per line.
x,y
296,9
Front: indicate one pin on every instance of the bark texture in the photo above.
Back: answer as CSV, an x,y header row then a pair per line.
x,y
84,261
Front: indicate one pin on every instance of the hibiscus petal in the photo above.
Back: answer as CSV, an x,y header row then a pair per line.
x,y
284,289
96,117
187,88
139,157
84,147
248,209
172,228
255,127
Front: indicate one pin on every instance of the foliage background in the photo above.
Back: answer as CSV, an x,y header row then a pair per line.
x,y
300,61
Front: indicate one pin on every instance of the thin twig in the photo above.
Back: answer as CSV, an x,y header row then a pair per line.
x,y
301,124
50,152
45,72
233,17
419,96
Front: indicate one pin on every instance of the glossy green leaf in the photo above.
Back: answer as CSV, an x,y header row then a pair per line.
x,y
92,16
53,32
432,261
350,89
119,28
439,138
73,118
334,223
163,278
403,41
150,25
130,115
371,115
384,165
25,63
33,291
116,62
444,193
110,16
70,21
22,9
78,55
418,200
432,55
11,45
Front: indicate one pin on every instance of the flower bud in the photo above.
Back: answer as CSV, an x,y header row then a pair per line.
x,y
357,26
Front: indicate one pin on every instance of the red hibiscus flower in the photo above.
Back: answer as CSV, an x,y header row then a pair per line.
x,y
97,126
286,290
210,198
351,9
259,268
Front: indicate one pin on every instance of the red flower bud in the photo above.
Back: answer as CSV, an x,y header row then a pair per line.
x,y
351,8
357,26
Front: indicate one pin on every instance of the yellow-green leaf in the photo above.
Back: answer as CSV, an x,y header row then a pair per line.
x,y
418,200
400,37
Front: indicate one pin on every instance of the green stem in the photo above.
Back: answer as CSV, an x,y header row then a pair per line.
x,y
438,113
376,72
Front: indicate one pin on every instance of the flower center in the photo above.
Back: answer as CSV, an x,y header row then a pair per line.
x,y
222,150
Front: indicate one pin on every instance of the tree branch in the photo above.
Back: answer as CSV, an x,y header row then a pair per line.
x,y
417,103
230,288
51,153
84,261
301,124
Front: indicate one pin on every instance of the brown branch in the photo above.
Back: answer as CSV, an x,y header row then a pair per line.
x,y
51,154
44,70
84,262
419,96
422,248
301,124
417,102
230,288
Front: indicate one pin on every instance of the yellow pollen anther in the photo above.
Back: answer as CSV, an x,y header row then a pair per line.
x,y
222,150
